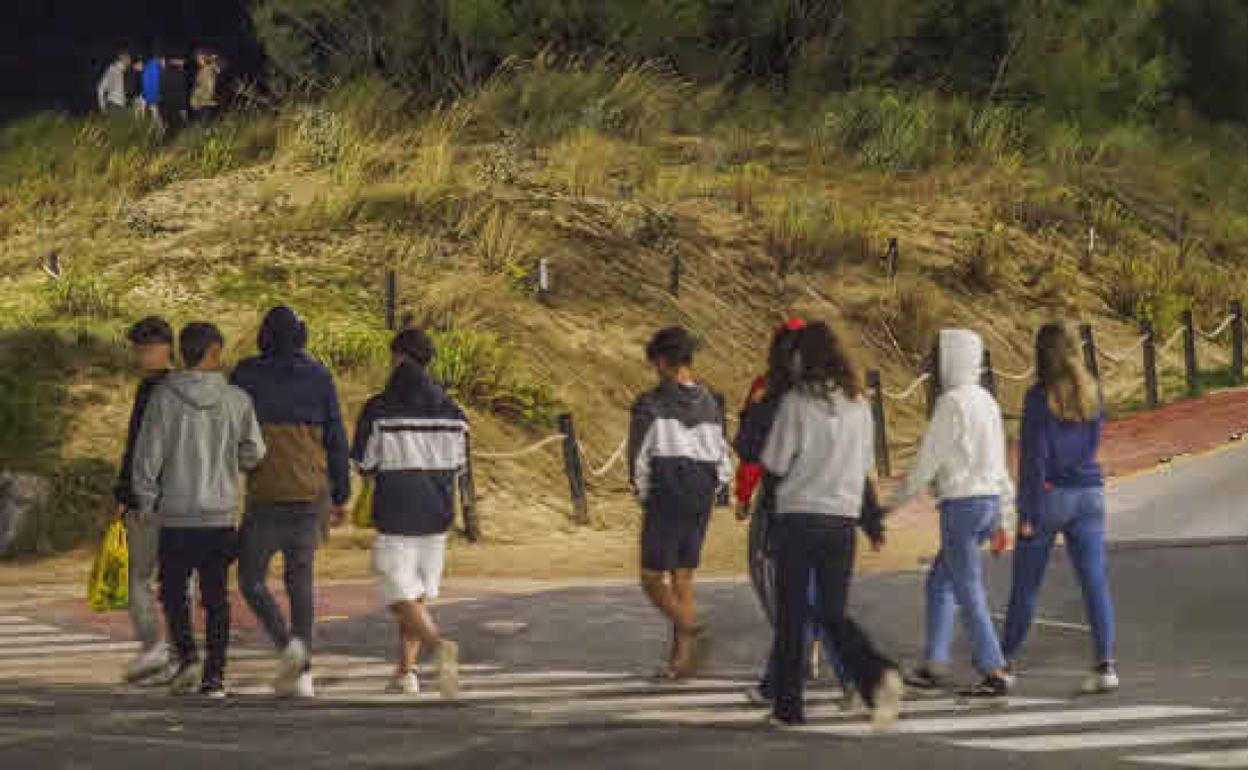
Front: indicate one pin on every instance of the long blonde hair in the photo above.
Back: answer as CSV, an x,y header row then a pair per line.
x,y
1072,392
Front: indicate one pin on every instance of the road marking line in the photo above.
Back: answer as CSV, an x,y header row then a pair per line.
x,y
987,723
1198,759
33,628
1153,736
1052,623
58,638
13,652
824,712
567,691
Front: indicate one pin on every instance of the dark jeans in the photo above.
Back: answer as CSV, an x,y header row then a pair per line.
x,y
208,552
826,545
294,530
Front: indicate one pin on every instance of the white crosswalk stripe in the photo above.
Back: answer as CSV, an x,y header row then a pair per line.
x,y
36,651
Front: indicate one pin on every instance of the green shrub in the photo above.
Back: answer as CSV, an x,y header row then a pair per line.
x,y
986,263
78,294
808,232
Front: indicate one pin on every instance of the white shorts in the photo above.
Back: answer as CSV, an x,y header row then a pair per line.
x,y
409,567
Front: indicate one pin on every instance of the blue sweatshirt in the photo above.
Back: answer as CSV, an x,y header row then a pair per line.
x,y
151,82
1054,454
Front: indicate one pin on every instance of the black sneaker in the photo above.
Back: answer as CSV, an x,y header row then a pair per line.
x,y
991,689
924,681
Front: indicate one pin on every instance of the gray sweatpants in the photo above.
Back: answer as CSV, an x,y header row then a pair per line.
x,y
294,530
143,544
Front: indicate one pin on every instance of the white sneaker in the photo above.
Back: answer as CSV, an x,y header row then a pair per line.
x,y
448,669
888,695
404,684
186,680
290,667
147,664
1103,679
304,687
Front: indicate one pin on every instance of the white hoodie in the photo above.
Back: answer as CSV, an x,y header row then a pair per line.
x,y
963,452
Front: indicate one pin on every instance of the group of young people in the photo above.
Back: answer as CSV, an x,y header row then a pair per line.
x,y
807,483
194,433
162,88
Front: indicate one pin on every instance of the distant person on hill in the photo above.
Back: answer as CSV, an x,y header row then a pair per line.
x,y
678,461
412,440
134,85
175,92
198,435
963,461
111,91
1062,491
821,452
204,103
152,72
305,469
151,343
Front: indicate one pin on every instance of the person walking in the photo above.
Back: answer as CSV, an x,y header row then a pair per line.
x,y
175,91
153,71
204,104
821,450
297,407
199,433
110,93
1061,491
756,418
134,86
151,344
679,459
412,441
962,458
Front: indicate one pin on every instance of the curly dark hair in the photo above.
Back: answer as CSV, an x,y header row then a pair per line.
x,y
824,363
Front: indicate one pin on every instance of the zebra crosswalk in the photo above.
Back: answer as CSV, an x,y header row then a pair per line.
x,y
1140,734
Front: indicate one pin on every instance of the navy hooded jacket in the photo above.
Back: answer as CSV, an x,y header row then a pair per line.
x,y
297,407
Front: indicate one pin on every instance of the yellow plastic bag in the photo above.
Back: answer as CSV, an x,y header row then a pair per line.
x,y
109,585
362,512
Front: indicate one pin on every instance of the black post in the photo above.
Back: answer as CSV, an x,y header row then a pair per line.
x,y
1150,366
892,262
673,285
392,297
723,498
1089,350
988,377
468,497
933,380
875,385
576,473
1237,342
1189,352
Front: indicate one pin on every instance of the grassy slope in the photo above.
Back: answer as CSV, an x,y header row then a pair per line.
x,y
986,243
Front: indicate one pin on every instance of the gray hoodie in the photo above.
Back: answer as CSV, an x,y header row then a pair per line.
x,y
198,434
823,450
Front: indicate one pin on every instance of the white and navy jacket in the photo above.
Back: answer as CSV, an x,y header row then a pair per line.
x,y
412,438
677,450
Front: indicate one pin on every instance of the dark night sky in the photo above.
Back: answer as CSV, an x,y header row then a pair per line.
x,y
52,51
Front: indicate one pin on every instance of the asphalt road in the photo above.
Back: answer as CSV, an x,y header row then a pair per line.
x,y
559,681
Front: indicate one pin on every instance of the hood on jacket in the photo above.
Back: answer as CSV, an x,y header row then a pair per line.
x,y
282,334
200,390
411,385
961,358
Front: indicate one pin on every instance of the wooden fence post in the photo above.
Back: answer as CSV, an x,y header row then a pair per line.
x,y
933,380
892,261
574,469
392,297
723,498
1237,342
468,497
1151,398
1189,353
543,281
987,376
1089,350
673,282
882,460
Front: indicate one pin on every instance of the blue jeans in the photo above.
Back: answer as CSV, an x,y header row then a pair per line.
x,y
1079,515
956,581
